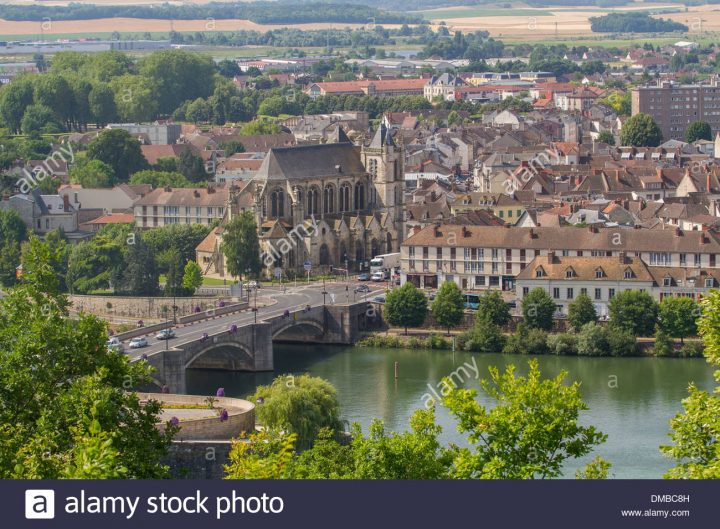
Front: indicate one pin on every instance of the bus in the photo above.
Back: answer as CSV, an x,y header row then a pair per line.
x,y
472,301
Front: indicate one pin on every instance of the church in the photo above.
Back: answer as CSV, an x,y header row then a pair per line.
x,y
331,204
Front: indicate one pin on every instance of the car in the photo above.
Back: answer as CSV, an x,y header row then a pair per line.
x,y
253,284
378,276
363,276
363,289
114,344
378,299
165,334
137,343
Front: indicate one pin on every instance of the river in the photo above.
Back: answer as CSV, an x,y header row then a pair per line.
x,y
630,399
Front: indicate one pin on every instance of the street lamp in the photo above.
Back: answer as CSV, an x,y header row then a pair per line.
x,y
255,309
324,291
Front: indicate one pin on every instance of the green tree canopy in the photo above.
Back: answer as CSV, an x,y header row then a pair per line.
x,y
493,308
192,277
538,309
92,174
118,149
241,246
635,311
677,317
698,130
160,179
448,306
606,137
640,130
405,306
65,408
531,432
302,405
581,311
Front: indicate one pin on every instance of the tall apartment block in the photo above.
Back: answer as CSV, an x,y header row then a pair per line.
x,y
674,106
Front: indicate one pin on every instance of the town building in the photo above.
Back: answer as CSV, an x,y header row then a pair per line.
x,y
674,106
481,257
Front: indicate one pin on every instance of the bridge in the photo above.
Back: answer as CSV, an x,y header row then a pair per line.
x,y
249,346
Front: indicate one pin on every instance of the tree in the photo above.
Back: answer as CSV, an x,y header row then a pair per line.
x,y
301,405
448,306
593,340
140,276
406,307
698,130
160,178
39,118
228,68
241,246
493,308
135,98
15,98
174,265
581,311
538,309
606,137
640,130
101,100
695,431
118,149
192,277
485,337
176,76
61,388
93,174
531,431
635,311
192,166
677,317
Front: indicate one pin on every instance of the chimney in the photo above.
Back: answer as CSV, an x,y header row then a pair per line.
x,y
465,232
707,183
703,239
678,232
550,257
66,203
168,189
622,258
533,235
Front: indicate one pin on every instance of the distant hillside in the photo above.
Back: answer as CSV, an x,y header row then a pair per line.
x,y
633,22
259,12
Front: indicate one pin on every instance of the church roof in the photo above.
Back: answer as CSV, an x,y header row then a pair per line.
x,y
382,137
310,161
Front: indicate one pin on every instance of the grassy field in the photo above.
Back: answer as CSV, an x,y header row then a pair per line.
x,y
442,14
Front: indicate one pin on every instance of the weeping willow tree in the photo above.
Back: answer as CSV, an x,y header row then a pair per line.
x,y
300,405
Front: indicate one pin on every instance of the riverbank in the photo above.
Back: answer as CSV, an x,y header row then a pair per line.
x,y
531,342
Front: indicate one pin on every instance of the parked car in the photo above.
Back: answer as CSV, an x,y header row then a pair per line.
x,y
363,289
378,276
137,343
114,344
378,299
165,334
363,276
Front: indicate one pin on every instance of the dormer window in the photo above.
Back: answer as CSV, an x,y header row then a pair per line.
x,y
667,281
628,274
599,274
709,282
539,272
569,273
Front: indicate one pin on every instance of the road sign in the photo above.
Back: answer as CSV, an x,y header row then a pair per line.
x,y
307,266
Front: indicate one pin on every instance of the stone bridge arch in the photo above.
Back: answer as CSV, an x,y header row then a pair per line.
x,y
231,356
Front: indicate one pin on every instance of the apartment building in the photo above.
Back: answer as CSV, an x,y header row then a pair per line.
x,y
488,257
165,206
601,278
674,106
